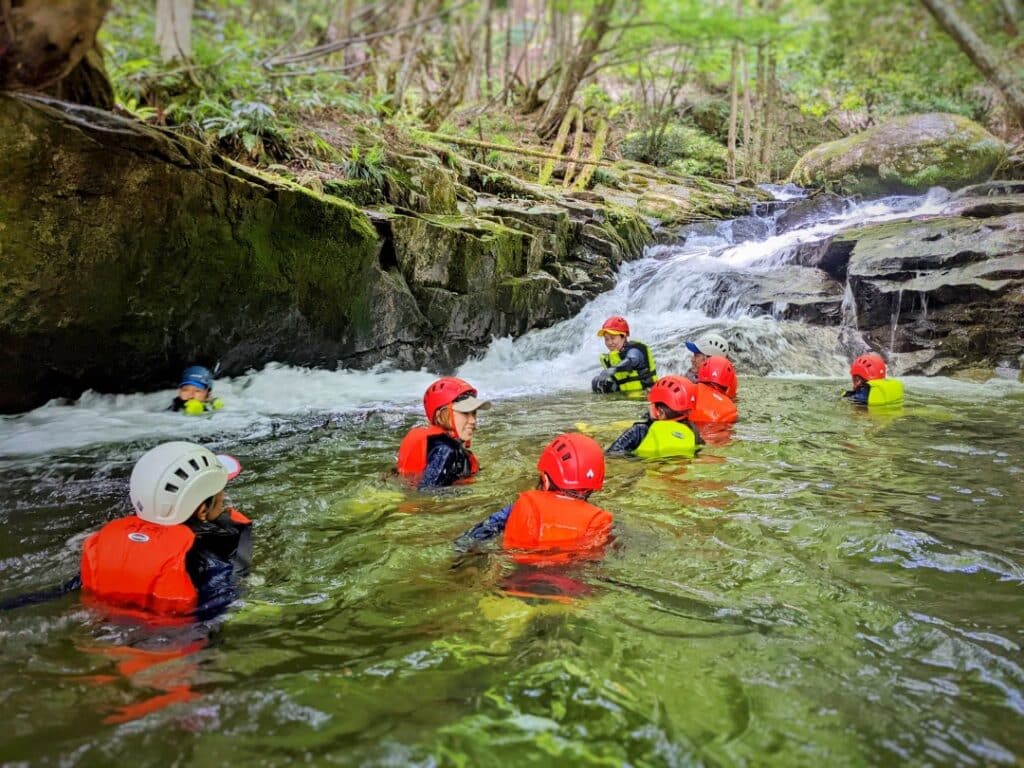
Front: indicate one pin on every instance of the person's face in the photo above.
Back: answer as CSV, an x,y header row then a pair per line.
x,y
858,382
699,358
465,424
652,409
213,511
614,342
192,392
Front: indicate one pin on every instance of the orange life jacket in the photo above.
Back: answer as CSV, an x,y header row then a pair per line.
x,y
557,526
713,406
134,564
412,453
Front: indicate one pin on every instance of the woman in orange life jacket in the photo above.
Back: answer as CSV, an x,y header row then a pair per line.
x,y
438,455
181,552
716,388
555,522
666,431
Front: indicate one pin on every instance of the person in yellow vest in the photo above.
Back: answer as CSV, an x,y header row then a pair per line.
x,y
667,430
870,386
628,366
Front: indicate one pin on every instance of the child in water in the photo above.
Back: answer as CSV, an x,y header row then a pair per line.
x,y
181,550
556,518
870,386
667,430
438,455
711,345
194,392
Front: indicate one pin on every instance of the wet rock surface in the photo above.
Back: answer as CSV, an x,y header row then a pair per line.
x,y
942,293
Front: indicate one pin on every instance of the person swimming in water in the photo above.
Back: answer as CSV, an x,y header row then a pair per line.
x,y
667,430
195,392
870,385
555,522
707,346
438,455
628,366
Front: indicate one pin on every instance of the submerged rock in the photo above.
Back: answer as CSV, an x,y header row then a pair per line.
x,y
906,154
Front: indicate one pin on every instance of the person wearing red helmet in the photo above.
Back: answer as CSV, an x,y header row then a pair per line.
x,y
438,455
870,386
716,386
667,430
556,521
628,366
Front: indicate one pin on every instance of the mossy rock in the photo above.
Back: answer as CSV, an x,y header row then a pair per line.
x,y
127,252
907,154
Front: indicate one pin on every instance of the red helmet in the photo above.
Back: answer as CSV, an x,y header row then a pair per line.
x,y
574,462
675,392
718,370
444,392
614,326
868,367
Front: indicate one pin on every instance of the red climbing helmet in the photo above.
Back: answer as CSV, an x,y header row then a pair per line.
x,y
718,370
614,326
868,367
675,392
574,462
444,392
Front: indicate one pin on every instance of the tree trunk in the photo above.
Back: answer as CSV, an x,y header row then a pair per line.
x,y
734,106
593,32
174,29
41,42
981,55
1011,16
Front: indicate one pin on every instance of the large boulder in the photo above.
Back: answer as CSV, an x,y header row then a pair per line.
x,y
906,154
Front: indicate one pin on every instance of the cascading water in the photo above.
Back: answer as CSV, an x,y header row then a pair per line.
x,y
675,293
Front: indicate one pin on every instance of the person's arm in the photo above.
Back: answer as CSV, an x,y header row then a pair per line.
x,y
630,440
858,396
633,360
489,529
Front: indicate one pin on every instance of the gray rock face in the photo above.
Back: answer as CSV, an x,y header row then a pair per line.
x,y
944,292
803,212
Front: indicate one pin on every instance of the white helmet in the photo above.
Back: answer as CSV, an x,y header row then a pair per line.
x,y
711,345
170,481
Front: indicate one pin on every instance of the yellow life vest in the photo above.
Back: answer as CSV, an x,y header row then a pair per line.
x,y
632,381
668,438
885,392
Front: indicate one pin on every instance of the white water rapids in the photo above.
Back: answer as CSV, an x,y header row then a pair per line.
x,y
668,297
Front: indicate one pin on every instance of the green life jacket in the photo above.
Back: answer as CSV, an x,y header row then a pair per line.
x,y
199,407
885,392
632,381
668,438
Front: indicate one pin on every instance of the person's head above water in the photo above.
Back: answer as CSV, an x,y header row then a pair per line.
x,y
196,383
615,332
719,373
867,368
709,345
451,403
572,463
671,398
175,481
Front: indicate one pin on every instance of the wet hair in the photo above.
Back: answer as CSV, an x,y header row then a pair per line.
x,y
582,495
668,414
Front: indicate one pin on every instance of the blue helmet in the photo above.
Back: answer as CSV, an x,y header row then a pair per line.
x,y
197,376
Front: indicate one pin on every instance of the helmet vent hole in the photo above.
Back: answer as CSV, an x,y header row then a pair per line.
x,y
194,463
171,487
206,462
182,474
566,456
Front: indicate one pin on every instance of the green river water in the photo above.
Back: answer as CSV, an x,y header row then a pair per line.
x,y
833,587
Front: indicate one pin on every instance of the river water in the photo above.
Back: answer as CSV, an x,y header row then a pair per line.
x,y
829,587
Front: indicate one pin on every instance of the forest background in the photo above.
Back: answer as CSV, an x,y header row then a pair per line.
x,y
324,89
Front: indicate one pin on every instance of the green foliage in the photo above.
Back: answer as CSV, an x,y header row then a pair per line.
x,y
680,147
365,166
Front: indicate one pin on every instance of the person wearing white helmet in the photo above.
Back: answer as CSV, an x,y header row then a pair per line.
x,y
709,345
181,549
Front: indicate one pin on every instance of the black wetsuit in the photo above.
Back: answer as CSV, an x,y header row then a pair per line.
x,y
448,460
